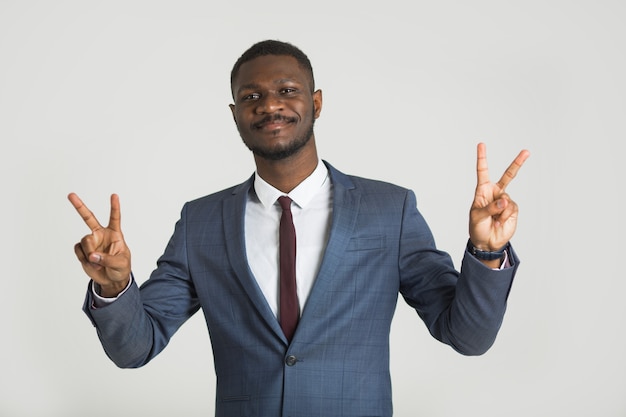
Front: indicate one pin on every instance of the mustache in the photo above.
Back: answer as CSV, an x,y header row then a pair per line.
x,y
274,118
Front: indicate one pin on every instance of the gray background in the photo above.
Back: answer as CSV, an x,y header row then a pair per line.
x,y
132,97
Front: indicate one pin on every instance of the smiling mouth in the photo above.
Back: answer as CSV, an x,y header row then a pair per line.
x,y
274,122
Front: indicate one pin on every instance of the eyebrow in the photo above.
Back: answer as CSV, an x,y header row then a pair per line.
x,y
250,86
254,86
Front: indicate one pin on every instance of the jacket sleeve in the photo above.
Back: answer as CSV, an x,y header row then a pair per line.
x,y
464,310
139,324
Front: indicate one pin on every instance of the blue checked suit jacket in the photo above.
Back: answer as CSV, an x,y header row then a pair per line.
x,y
338,361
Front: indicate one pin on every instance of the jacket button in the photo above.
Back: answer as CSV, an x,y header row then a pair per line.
x,y
291,360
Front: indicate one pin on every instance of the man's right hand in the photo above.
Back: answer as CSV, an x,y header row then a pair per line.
x,y
103,253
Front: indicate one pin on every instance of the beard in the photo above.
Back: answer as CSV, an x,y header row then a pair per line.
x,y
292,148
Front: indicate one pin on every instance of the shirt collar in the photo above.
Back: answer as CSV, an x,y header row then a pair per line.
x,y
301,195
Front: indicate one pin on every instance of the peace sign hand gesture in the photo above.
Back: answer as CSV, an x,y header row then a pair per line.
x,y
103,253
493,215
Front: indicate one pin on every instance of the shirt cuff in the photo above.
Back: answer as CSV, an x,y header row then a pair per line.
x,y
100,301
506,263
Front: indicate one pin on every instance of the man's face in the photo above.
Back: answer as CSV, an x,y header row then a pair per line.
x,y
274,108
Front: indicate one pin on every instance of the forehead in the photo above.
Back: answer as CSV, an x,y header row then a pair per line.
x,y
269,69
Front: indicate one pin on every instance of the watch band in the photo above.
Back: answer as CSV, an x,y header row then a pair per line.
x,y
486,255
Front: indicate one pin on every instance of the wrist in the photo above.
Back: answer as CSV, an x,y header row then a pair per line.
x,y
110,290
487,255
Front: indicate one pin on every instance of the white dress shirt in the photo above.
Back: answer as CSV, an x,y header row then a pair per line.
x,y
312,212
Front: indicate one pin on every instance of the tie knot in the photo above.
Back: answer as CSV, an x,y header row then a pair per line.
x,y
285,202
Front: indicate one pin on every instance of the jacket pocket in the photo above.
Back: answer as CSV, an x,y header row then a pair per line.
x,y
232,398
366,243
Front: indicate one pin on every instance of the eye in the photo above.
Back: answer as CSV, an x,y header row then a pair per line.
x,y
288,90
249,97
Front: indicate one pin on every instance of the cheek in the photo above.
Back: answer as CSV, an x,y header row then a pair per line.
x,y
240,120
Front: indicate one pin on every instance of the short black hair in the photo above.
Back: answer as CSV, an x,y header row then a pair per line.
x,y
273,47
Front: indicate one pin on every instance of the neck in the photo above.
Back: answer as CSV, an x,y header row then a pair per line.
x,y
286,174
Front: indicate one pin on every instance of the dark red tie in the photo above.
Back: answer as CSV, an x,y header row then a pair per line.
x,y
288,309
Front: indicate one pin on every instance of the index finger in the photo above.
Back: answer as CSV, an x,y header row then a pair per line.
x,y
88,217
116,214
511,171
482,171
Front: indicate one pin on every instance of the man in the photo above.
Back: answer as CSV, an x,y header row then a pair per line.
x,y
358,244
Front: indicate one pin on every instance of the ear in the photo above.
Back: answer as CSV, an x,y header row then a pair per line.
x,y
232,110
317,103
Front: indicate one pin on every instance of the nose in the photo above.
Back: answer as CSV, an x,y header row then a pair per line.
x,y
269,103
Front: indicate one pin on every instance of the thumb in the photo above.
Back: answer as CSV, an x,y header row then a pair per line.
x,y
117,264
95,261
496,207
95,258
493,209
105,260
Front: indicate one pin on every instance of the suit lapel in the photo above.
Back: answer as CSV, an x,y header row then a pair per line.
x,y
234,225
346,199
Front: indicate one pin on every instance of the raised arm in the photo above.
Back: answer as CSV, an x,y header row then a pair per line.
x,y
493,215
103,253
